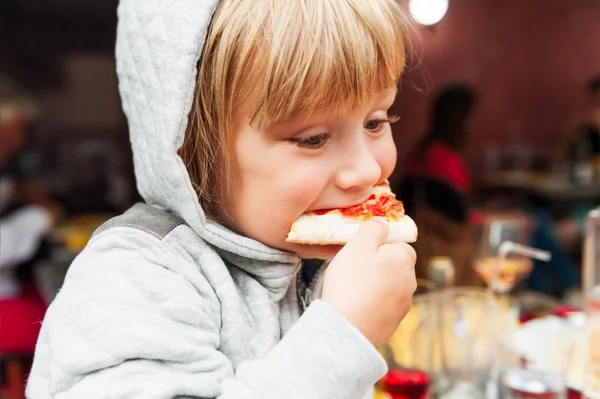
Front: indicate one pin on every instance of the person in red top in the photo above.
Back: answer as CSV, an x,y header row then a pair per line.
x,y
439,155
439,160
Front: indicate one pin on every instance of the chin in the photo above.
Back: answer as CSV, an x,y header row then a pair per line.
x,y
315,251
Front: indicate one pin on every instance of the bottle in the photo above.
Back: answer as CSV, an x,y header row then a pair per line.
x,y
441,272
591,291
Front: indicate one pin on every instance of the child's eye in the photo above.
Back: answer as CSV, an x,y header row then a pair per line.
x,y
313,142
376,125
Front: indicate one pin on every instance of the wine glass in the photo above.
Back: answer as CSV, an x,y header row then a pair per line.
x,y
496,229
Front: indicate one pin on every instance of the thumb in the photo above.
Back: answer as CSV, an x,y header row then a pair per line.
x,y
372,234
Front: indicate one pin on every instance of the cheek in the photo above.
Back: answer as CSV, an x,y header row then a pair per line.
x,y
386,155
298,187
269,215
271,192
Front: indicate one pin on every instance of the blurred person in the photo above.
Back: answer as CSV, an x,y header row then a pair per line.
x,y
440,155
243,115
583,156
26,216
26,212
589,115
584,143
447,210
583,153
437,184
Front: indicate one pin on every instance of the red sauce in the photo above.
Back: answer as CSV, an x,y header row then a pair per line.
x,y
322,211
382,206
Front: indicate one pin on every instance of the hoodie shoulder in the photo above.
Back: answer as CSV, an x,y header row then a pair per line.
x,y
145,218
158,236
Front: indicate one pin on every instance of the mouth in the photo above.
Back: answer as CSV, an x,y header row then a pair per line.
x,y
360,200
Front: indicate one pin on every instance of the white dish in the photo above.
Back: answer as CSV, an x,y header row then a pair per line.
x,y
544,341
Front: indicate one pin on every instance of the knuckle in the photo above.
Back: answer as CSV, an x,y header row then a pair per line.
x,y
412,254
406,254
414,286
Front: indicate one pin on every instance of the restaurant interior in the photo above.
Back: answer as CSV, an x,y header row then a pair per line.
x,y
498,163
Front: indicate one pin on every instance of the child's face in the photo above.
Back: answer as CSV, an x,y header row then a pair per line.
x,y
327,161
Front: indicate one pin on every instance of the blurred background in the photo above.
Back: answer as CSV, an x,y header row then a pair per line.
x,y
498,139
530,63
500,115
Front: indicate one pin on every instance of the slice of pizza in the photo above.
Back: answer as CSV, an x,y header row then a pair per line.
x,y
338,226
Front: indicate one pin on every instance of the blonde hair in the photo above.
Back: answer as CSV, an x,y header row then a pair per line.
x,y
274,60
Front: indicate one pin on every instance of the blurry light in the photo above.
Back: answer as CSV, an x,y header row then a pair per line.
x,y
428,12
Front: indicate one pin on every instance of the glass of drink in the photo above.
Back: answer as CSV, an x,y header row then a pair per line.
x,y
502,275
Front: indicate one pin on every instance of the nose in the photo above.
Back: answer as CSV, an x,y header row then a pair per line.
x,y
361,168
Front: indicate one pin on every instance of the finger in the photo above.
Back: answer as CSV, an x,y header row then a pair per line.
x,y
399,253
372,234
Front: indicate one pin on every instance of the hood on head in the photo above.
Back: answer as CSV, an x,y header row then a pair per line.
x,y
157,51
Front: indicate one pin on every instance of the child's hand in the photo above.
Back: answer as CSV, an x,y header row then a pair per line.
x,y
371,283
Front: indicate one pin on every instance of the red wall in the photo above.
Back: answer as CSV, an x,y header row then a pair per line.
x,y
530,60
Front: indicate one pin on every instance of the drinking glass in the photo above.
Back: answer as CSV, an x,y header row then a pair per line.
x,y
470,321
499,228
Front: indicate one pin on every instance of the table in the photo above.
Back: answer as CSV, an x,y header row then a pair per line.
x,y
530,304
555,186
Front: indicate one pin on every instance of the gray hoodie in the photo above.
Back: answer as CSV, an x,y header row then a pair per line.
x,y
163,303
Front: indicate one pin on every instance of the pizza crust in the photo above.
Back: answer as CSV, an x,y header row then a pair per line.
x,y
335,229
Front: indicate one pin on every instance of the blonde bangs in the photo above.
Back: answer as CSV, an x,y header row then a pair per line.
x,y
271,61
311,55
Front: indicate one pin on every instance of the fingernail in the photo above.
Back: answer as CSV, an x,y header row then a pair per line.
x,y
380,220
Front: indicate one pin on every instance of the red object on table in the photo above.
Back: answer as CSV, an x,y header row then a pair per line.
x,y
562,311
530,395
406,384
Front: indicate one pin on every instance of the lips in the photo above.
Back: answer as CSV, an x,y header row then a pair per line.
x,y
361,200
